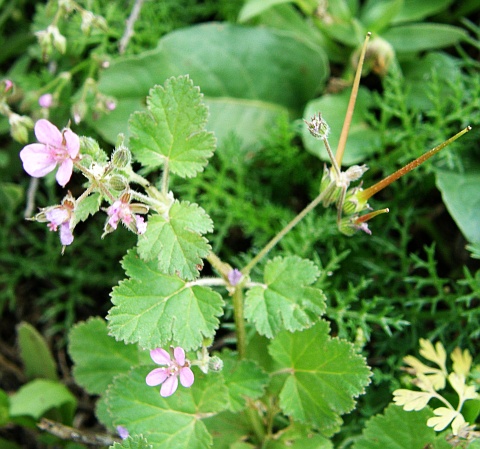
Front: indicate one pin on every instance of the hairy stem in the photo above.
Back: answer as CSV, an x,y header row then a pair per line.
x,y
238,313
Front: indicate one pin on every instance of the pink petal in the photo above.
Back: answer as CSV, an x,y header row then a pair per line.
x,y
186,377
160,356
169,386
57,216
179,355
72,143
141,224
66,235
37,160
156,377
64,172
46,132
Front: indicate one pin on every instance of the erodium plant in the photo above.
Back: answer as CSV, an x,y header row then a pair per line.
x,y
286,382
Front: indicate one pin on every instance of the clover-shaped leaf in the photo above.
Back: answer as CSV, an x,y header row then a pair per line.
x,y
324,376
286,301
171,133
155,309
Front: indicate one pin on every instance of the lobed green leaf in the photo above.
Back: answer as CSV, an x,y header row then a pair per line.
x,y
285,301
324,376
398,429
155,309
175,242
171,133
98,357
174,422
243,379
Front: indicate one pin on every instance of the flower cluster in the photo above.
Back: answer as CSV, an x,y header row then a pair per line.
x,y
168,376
431,379
62,149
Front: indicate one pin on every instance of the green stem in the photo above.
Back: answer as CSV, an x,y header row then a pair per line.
x,y
256,424
246,270
238,314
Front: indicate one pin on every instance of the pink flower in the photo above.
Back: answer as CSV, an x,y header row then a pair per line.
x,y
55,148
45,100
234,276
126,212
58,218
168,376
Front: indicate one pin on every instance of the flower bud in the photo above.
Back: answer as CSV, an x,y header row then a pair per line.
x,y
59,41
118,183
45,100
121,157
215,364
328,186
19,126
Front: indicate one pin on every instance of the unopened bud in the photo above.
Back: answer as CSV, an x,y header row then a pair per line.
x,y
215,364
118,183
59,40
121,157
19,126
45,100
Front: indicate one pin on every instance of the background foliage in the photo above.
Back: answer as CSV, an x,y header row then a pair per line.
x,y
264,68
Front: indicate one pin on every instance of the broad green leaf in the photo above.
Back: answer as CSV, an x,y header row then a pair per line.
x,y
461,195
414,10
97,357
285,301
135,442
243,379
419,76
398,429
423,36
175,242
174,422
155,309
36,356
171,133
362,141
253,8
39,396
376,16
324,376
255,72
